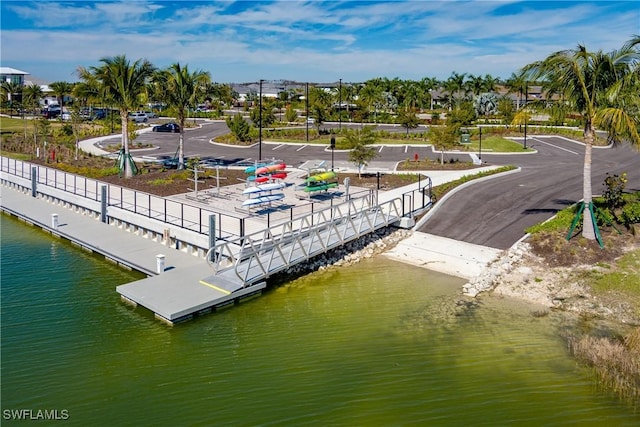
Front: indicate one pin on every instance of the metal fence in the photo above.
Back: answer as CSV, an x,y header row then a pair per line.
x,y
229,225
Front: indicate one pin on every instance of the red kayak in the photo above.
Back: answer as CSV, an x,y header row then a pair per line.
x,y
270,168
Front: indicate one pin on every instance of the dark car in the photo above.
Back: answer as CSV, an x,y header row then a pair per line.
x,y
167,127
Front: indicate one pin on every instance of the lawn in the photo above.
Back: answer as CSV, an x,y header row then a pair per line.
x,y
10,124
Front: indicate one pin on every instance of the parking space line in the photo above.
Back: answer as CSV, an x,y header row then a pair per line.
x,y
277,147
555,146
302,148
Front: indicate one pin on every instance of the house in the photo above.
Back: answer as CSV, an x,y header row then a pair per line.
x,y
12,75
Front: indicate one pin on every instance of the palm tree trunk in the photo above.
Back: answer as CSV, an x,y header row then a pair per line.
x,y
124,121
588,229
181,120
181,150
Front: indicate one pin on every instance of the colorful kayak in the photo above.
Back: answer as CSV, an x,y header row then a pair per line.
x,y
264,187
321,177
262,200
252,169
320,187
279,175
270,168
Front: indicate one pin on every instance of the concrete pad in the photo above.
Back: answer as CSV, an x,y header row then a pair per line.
x,y
460,259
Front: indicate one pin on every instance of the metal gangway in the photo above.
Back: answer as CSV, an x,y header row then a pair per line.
x,y
252,258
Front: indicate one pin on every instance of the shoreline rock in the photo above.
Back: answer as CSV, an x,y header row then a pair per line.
x,y
521,274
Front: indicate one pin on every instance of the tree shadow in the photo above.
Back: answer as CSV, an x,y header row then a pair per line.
x,y
540,210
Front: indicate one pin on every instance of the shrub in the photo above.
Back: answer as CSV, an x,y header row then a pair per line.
x,y
604,217
614,189
631,213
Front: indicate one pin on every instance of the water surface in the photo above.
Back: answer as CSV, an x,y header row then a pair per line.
x,y
376,344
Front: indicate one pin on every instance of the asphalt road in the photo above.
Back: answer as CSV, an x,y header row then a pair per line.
x,y
492,213
496,212
198,144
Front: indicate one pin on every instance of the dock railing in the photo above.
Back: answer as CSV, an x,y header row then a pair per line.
x,y
256,256
99,196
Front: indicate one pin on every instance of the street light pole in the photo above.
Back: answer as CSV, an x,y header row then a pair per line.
x,y
480,151
306,102
526,98
333,146
260,126
340,106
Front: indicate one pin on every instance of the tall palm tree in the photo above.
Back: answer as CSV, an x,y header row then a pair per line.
x,y
599,86
516,84
453,85
490,83
122,84
12,93
182,89
60,90
475,84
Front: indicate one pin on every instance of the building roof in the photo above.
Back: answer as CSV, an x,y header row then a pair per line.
x,y
9,70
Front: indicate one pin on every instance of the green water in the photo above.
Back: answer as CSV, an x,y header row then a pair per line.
x,y
377,344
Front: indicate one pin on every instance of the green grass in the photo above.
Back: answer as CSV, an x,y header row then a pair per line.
x,y
17,156
562,221
625,278
497,144
440,190
10,124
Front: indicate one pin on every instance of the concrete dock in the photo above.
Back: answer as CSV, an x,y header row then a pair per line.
x,y
180,285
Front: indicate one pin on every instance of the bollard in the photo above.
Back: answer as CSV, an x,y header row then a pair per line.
x,y
54,221
159,263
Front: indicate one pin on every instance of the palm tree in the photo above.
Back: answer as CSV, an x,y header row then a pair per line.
x,y
600,86
516,84
60,89
182,89
475,84
122,83
453,85
12,92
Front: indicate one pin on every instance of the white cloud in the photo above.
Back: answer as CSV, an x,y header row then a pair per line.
x,y
319,41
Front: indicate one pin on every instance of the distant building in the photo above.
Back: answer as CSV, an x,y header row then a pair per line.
x,y
11,75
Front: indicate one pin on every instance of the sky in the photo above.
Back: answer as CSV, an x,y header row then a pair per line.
x,y
307,41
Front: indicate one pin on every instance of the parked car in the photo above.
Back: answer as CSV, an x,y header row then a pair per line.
x,y
167,127
138,117
51,112
151,114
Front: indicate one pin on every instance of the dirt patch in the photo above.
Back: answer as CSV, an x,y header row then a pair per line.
x,y
557,251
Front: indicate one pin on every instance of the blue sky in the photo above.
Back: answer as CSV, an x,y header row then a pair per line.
x,y
316,41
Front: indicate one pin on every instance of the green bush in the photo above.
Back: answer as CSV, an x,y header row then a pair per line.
x,y
631,213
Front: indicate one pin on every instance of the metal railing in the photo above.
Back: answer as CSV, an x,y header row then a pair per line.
x,y
261,254
229,226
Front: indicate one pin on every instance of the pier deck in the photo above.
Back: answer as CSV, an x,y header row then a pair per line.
x,y
187,284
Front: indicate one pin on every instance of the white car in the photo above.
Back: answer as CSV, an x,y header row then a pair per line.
x,y
138,117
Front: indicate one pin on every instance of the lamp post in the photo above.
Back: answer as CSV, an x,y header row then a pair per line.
x,y
339,107
480,150
260,126
306,103
526,97
333,146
